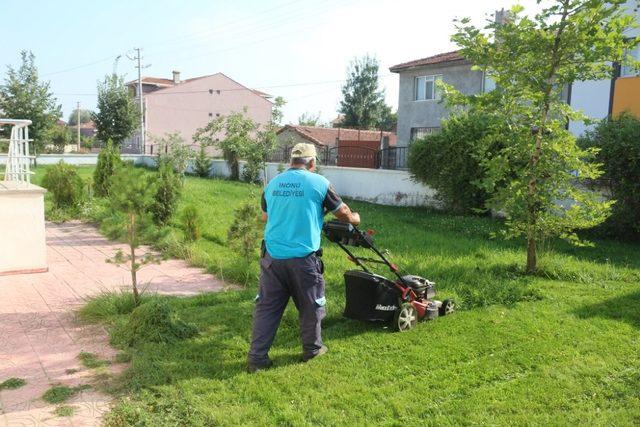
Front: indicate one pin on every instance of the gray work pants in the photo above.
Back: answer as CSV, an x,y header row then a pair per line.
x,y
298,278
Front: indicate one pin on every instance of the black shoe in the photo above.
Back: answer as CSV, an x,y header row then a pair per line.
x,y
323,350
252,368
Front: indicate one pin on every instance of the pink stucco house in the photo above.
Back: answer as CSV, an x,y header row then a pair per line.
x,y
183,106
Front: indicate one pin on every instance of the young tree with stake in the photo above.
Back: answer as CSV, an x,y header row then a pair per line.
x,y
532,60
132,197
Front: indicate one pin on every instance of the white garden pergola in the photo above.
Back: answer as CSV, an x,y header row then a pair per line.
x,y
23,246
18,158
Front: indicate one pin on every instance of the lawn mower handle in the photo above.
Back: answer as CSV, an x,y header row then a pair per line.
x,y
344,234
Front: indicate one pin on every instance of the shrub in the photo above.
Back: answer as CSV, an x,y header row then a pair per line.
x,y
63,181
172,150
618,141
191,222
108,162
167,193
152,322
244,233
447,162
202,163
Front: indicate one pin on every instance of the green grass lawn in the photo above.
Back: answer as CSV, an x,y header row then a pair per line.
x,y
562,347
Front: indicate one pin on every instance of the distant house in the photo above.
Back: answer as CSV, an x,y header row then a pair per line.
x,y
87,129
183,106
599,99
420,111
338,146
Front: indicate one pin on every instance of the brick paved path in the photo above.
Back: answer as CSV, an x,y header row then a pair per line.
x,y
39,340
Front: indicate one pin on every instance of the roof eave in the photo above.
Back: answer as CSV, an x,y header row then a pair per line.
x,y
398,69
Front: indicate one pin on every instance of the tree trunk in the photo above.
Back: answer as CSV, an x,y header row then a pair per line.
x,y
532,259
235,170
134,279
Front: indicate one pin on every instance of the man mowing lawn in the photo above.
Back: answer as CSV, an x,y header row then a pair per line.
x,y
294,204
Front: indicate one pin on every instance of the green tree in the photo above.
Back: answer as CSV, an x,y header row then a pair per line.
x,y
362,100
238,133
85,117
267,141
239,137
173,150
59,136
23,96
118,115
388,119
309,119
132,198
531,59
108,163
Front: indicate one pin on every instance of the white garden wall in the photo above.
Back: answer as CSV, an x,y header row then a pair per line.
x,y
81,159
385,187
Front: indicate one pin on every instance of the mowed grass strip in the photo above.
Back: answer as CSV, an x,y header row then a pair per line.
x,y
557,348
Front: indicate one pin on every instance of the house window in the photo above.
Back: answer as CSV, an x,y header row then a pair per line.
x,y
426,88
417,133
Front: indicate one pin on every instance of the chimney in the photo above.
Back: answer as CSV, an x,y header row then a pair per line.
x,y
176,77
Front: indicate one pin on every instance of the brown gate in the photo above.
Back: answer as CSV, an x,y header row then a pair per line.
x,y
358,154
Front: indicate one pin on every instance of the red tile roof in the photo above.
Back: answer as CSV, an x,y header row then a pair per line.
x,y
154,81
440,58
328,136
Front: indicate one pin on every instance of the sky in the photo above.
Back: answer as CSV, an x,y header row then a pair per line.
x,y
297,49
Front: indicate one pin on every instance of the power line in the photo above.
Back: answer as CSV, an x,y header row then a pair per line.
x,y
161,92
80,66
210,32
252,30
111,57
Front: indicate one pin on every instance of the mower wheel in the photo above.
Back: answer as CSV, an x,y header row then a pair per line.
x,y
405,318
448,306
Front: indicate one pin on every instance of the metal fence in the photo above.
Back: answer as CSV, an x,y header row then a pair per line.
x,y
393,158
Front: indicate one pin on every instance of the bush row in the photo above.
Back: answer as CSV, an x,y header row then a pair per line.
x,y
452,162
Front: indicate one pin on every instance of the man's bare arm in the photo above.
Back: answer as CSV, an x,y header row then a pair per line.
x,y
344,214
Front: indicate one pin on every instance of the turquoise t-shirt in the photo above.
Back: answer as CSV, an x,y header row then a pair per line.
x,y
295,202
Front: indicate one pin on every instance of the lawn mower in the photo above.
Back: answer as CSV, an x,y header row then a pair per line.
x,y
372,297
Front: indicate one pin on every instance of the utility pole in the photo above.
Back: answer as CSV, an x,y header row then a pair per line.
x,y
78,124
139,67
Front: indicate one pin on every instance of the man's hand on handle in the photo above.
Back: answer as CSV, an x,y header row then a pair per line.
x,y
344,214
